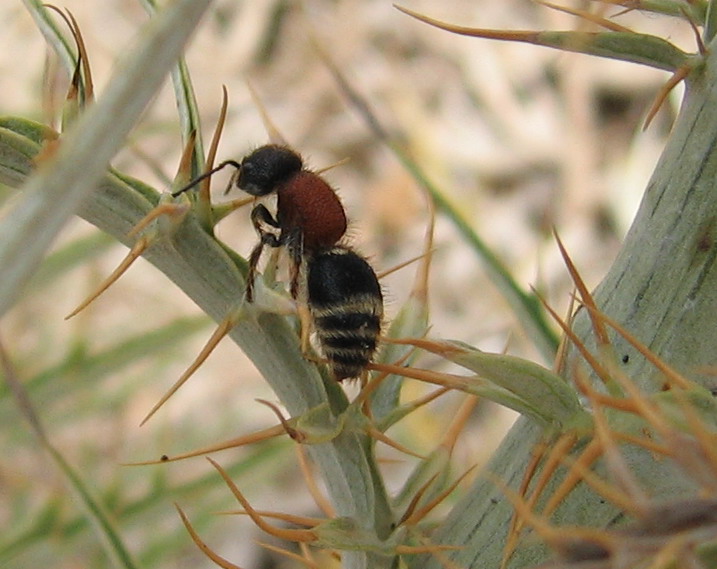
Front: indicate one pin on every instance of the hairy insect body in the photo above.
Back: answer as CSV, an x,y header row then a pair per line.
x,y
261,171
307,204
337,286
309,214
346,306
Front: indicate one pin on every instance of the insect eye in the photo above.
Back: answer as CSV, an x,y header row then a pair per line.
x,y
253,181
266,168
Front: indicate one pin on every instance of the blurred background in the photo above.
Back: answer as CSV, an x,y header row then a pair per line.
x,y
519,138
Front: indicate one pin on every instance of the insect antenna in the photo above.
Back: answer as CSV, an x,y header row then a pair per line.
x,y
204,176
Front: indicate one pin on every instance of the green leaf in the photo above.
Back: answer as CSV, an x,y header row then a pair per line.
x,y
523,385
54,192
54,37
625,46
710,22
187,109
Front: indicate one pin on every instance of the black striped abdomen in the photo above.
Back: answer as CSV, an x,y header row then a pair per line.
x,y
346,306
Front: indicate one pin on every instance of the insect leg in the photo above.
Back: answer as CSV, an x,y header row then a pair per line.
x,y
298,287
267,227
294,243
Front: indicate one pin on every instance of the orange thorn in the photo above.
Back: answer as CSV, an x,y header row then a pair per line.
x,y
504,35
421,513
587,298
341,162
645,443
554,536
82,58
596,366
701,432
623,501
442,348
459,422
379,436
376,380
444,561
590,454
642,405
413,504
695,30
214,145
673,376
321,501
174,211
425,400
562,352
290,555
420,285
299,535
402,265
137,249
222,330
288,518
237,203
635,501
592,18
557,450
679,74
459,382
275,431
295,434
184,170
204,548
